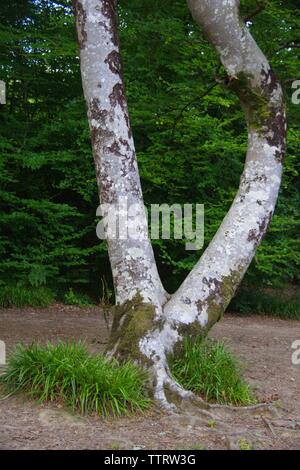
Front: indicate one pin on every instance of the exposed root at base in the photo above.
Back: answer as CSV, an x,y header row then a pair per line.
x,y
173,398
247,407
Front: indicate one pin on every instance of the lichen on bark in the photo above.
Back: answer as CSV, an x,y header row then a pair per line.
x,y
80,15
214,304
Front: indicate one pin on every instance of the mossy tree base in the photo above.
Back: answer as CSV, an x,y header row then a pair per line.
x,y
142,333
131,322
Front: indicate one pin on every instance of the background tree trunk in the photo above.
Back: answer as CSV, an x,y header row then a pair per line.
x,y
146,326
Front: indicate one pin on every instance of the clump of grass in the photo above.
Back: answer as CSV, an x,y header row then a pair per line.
x,y
257,301
244,444
68,374
76,298
191,447
207,368
21,296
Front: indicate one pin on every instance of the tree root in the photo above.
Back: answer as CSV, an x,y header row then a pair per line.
x,y
173,398
243,408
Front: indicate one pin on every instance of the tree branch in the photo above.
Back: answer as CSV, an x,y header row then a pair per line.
x,y
207,290
197,98
132,259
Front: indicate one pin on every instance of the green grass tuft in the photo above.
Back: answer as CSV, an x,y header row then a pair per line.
x,y
207,368
76,298
21,296
68,374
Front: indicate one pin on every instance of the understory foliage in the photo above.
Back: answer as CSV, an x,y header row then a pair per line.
x,y
189,132
67,374
209,369
20,296
277,303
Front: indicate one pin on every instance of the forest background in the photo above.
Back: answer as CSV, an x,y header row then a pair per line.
x,y
190,137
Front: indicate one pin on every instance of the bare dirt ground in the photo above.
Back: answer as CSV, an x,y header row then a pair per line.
x,y
262,344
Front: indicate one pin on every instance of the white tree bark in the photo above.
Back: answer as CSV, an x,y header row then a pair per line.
x,y
154,326
210,286
132,260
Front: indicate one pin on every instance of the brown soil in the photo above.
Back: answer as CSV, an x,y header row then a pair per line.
x,y
262,344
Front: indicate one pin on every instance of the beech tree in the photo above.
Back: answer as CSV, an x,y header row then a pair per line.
x,y
148,323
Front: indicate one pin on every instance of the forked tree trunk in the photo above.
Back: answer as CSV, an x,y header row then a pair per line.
x,y
148,325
